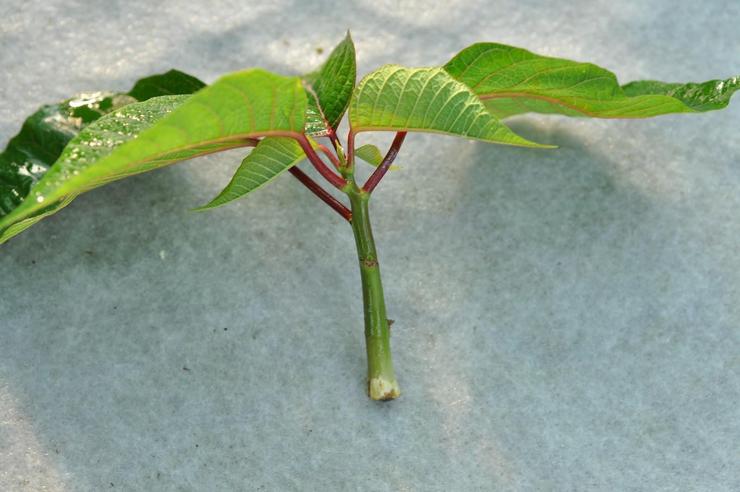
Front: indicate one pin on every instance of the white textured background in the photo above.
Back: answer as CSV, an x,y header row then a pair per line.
x,y
565,320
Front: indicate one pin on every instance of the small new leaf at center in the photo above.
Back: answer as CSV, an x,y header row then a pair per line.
x,y
371,154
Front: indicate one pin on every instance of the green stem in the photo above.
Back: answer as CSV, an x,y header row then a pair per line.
x,y
381,379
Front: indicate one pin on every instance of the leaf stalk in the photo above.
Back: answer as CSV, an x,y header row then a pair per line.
x,y
385,164
320,192
336,180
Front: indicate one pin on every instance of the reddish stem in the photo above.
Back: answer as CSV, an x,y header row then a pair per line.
x,y
327,173
320,192
380,171
350,149
334,140
334,160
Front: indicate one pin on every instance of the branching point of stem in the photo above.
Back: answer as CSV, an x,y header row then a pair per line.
x,y
328,174
333,158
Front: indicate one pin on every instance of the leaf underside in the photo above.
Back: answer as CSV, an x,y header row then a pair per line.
x,y
144,136
513,81
71,147
269,159
328,91
395,98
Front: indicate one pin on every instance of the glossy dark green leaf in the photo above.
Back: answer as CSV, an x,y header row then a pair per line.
x,y
45,133
170,83
163,130
42,138
513,81
330,88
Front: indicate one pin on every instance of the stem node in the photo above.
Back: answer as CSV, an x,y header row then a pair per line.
x,y
381,379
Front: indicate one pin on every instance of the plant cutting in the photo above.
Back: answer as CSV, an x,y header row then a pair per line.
x,y
91,139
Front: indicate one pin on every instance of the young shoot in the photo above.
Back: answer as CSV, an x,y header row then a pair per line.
x,y
70,147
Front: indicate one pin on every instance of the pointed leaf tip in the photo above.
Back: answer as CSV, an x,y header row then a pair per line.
x,y
269,159
514,81
330,88
144,136
30,154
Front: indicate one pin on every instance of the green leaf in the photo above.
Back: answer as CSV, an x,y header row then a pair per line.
x,y
170,83
395,98
513,81
371,154
706,96
45,133
19,225
269,159
330,88
144,136
42,138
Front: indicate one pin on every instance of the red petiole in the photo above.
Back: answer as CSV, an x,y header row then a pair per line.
x,y
327,173
385,164
320,192
337,181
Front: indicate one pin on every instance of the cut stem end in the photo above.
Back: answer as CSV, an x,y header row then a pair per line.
x,y
382,389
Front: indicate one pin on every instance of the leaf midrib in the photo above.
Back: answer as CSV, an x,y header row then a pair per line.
x,y
560,102
244,140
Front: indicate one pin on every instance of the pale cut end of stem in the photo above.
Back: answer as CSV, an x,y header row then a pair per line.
x,y
383,389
